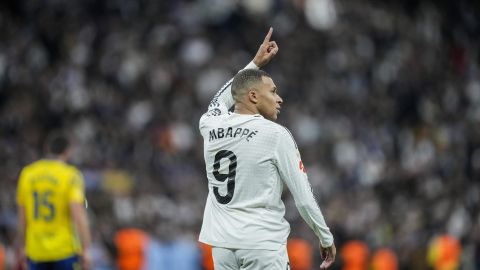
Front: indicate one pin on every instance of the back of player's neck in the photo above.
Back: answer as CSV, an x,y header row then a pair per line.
x,y
241,108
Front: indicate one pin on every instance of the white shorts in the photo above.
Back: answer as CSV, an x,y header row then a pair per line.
x,y
250,259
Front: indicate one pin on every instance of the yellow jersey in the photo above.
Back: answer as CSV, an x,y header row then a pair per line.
x,y
45,190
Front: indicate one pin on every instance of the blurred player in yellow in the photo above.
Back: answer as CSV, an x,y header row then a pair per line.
x,y
53,224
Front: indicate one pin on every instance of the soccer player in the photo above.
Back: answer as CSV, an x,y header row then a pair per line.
x,y
249,158
51,211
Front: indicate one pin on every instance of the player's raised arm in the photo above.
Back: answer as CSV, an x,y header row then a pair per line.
x,y
293,174
223,99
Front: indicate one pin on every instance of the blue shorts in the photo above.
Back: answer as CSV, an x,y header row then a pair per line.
x,y
70,263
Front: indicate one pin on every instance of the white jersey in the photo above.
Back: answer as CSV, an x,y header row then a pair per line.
x,y
248,160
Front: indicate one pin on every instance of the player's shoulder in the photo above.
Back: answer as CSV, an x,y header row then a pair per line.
x,y
274,127
31,169
29,166
55,165
207,120
276,130
38,164
283,134
72,169
73,175
212,115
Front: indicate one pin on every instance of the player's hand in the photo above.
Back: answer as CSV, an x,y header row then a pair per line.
x,y
86,260
268,49
328,256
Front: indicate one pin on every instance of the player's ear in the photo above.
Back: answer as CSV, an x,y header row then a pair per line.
x,y
252,95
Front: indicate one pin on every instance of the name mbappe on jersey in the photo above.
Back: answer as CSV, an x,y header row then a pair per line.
x,y
230,132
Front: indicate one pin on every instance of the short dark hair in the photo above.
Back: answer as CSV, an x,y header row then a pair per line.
x,y
57,143
244,79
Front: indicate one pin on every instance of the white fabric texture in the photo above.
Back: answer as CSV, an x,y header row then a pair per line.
x,y
247,259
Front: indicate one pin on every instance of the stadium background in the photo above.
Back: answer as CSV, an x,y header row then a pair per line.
x,y
382,97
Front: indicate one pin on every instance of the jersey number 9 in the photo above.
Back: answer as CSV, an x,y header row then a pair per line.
x,y
232,171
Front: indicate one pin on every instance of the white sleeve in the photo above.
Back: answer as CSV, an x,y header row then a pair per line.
x,y
223,99
293,175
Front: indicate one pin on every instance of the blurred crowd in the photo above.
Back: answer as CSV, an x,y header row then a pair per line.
x,y
382,97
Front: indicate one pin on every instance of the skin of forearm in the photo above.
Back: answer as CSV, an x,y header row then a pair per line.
x,y
82,226
22,224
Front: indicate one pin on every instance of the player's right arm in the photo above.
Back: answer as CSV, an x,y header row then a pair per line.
x,y
79,216
223,99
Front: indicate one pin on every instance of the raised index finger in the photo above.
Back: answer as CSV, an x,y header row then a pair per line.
x,y
268,36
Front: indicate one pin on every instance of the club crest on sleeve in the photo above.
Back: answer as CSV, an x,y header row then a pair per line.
x,y
214,112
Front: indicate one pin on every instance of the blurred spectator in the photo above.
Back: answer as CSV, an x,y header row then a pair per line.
x,y
2,257
131,249
444,253
299,254
207,259
355,255
181,254
384,259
